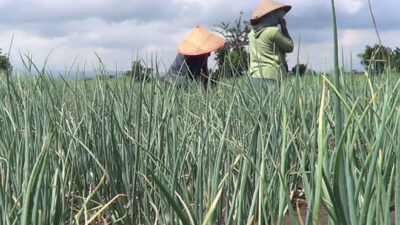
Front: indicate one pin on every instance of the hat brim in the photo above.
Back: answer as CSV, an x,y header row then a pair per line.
x,y
266,7
200,41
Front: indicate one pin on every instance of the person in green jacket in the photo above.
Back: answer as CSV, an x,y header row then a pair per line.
x,y
268,44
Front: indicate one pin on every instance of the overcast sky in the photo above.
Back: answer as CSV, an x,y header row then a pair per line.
x,y
71,32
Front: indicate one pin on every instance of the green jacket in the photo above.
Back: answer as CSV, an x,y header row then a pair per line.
x,y
267,46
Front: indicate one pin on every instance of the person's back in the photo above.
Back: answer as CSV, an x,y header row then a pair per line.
x,y
191,60
186,68
267,52
268,43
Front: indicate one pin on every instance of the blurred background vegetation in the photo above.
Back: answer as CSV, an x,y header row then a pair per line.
x,y
233,59
5,64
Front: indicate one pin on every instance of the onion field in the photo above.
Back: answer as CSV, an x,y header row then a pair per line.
x,y
114,151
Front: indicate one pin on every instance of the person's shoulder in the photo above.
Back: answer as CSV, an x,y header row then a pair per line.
x,y
270,31
179,58
251,33
178,61
276,32
273,29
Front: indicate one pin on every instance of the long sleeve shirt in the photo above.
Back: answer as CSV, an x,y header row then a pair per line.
x,y
186,68
267,48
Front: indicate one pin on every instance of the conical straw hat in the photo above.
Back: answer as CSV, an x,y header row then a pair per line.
x,y
200,41
267,6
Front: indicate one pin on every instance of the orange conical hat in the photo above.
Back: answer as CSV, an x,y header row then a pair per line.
x,y
200,41
266,6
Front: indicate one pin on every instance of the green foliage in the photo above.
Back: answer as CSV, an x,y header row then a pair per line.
x,y
5,64
139,71
302,69
140,153
232,59
395,59
236,62
125,152
375,58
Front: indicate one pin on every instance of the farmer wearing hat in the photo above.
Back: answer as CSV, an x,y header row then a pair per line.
x,y
191,60
267,43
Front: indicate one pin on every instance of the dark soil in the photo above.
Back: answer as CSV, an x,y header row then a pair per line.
x,y
300,207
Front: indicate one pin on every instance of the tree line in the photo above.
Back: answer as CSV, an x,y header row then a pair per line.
x,y
378,58
232,59
5,64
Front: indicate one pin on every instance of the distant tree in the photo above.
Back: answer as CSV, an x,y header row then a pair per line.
x,y
302,69
395,59
375,57
5,64
232,59
139,72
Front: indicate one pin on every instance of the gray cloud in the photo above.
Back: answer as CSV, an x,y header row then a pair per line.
x,y
320,16
120,29
39,11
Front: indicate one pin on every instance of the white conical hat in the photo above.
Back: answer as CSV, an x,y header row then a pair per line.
x,y
200,41
266,6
